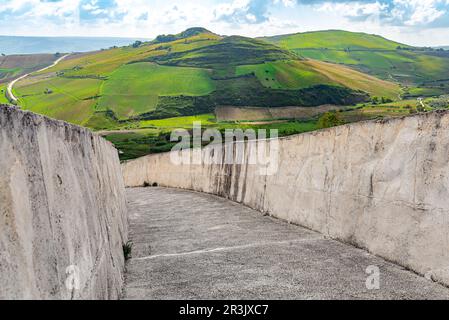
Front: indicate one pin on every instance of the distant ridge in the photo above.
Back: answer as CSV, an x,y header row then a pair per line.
x,y
36,45
334,39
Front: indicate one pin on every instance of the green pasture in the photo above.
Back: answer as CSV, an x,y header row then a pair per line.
x,y
134,89
72,100
284,74
3,98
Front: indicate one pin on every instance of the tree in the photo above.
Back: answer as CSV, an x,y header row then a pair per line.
x,y
137,44
330,119
375,100
386,100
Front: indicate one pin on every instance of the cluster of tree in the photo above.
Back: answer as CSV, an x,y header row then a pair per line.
x,y
439,103
137,44
416,109
420,49
330,119
381,100
166,38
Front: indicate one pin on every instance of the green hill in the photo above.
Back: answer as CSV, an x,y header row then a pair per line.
x,y
188,74
389,60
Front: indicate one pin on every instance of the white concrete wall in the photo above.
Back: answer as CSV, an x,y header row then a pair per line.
x,y
62,204
382,186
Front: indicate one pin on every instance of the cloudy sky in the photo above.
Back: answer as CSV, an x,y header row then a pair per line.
x,y
417,22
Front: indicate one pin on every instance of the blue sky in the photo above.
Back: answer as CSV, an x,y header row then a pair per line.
x,y
419,22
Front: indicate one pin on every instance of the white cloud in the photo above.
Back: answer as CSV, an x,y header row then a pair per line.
x,y
354,10
418,12
403,20
396,12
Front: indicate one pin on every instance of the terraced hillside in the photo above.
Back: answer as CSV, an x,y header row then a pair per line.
x,y
189,74
424,68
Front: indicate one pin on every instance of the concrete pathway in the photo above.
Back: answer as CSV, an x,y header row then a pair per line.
x,y
197,246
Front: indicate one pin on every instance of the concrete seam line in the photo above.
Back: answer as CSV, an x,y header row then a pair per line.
x,y
253,245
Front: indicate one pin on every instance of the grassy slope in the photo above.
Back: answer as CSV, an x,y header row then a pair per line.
x,y
289,74
368,53
302,74
3,94
134,89
71,99
356,80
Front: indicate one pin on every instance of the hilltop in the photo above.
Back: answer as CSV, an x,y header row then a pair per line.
x,y
191,32
189,74
334,39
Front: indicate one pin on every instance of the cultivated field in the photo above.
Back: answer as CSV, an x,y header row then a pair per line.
x,y
14,66
134,89
235,114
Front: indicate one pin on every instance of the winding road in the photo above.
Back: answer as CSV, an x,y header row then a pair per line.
x,y
12,83
197,246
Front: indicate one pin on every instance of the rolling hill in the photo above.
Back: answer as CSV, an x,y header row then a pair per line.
x,y
411,66
189,74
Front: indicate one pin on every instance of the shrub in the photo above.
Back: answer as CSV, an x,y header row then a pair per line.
x,y
137,44
127,250
330,119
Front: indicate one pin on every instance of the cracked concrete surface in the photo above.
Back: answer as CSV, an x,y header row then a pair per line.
x,y
62,211
198,246
381,185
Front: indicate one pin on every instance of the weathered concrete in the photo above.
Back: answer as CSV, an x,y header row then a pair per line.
x,y
382,186
62,204
198,246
